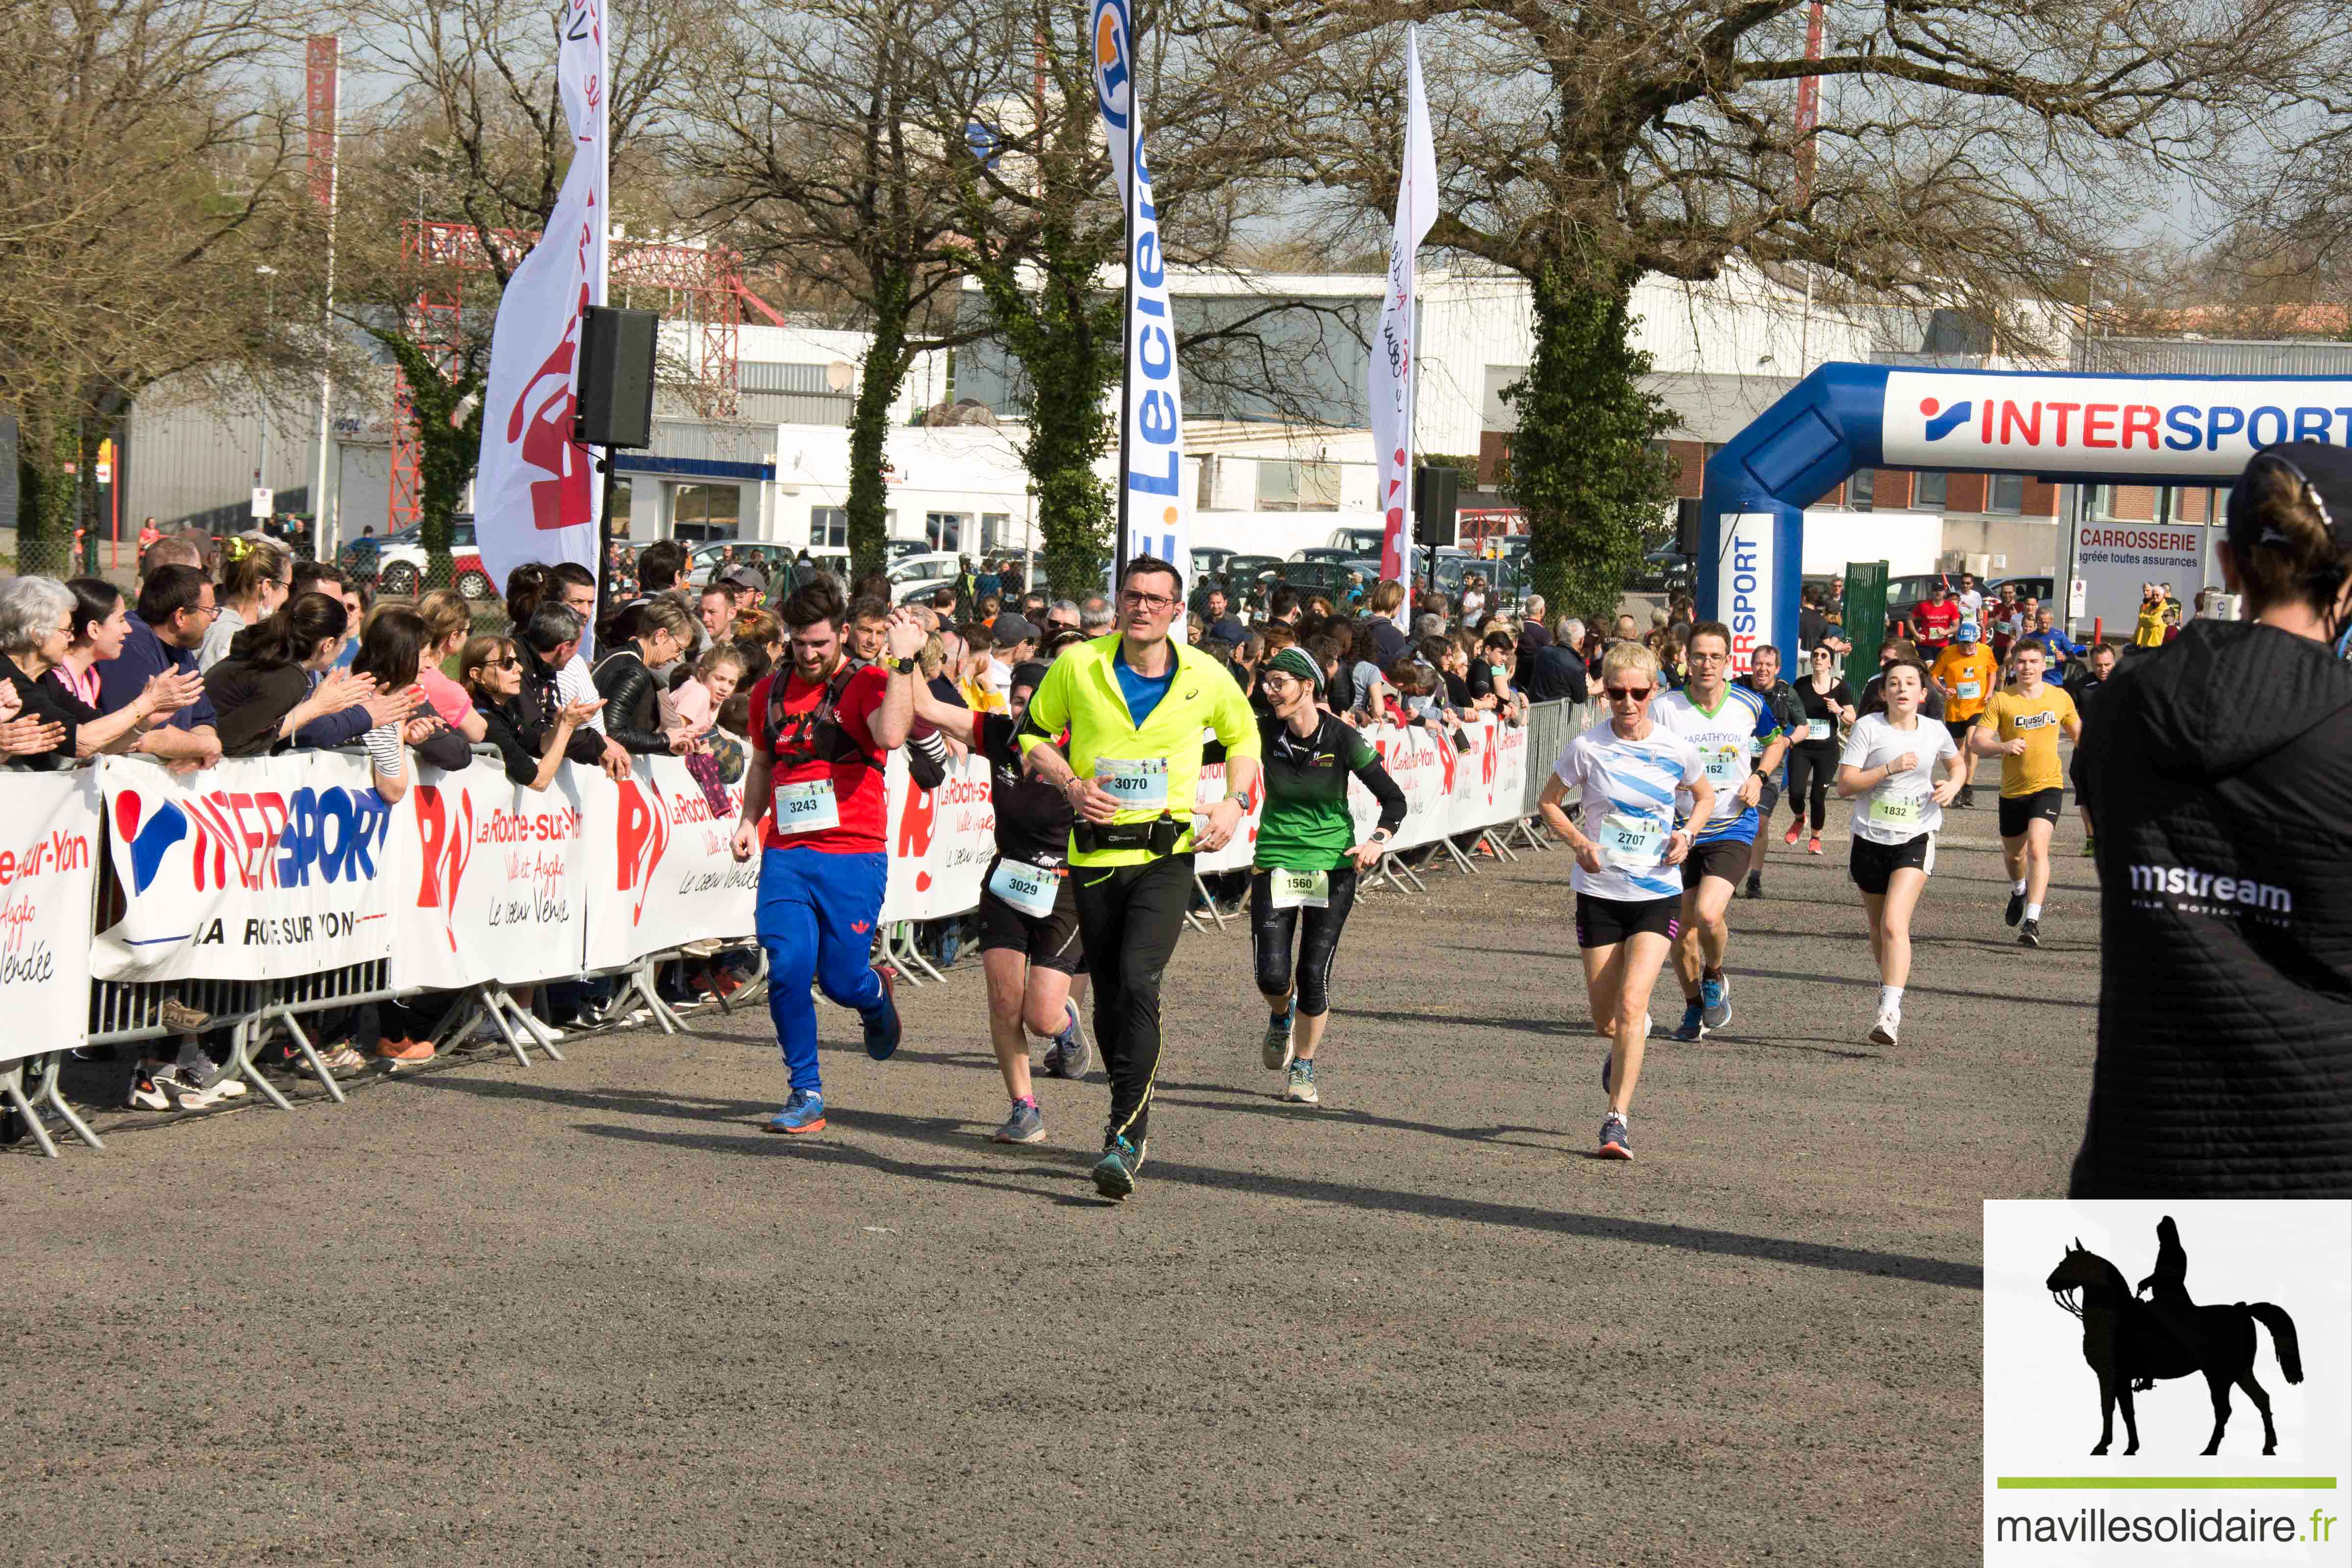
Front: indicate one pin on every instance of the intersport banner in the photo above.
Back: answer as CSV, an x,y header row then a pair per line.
x,y
49,877
257,868
489,879
661,866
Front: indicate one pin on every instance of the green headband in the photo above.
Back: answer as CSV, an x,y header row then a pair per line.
x,y
1295,662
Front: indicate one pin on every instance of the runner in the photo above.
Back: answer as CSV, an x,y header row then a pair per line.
x,y
1720,719
1029,946
2021,726
1626,771
1889,769
1966,674
1936,619
821,732
2099,668
1828,702
1304,880
1135,705
1780,700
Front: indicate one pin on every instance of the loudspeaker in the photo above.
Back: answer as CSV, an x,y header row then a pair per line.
x,y
617,377
1687,526
1436,498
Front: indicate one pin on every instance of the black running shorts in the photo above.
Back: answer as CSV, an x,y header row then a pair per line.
x,y
1605,922
2016,811
1874,864
1050,942
1726,857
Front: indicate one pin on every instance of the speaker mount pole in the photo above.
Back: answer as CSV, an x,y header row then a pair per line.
x,y
606,463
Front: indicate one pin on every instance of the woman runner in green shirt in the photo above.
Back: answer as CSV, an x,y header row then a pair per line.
x,y
1304,882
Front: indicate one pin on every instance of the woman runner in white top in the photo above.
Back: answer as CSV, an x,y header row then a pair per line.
x,y
1626,772
1889,769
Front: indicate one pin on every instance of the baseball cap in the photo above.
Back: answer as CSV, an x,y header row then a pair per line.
x,y
1011,628
2325,473
1968,631
745,574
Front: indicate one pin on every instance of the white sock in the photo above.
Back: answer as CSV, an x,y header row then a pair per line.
x,y
1890,998
2018,885
2033,911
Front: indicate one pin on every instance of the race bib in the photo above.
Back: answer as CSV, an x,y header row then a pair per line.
x,y
1631,843
1817,729
1300,890
1971,690
1724,767
1137,784
1032,890
806,808
1903,810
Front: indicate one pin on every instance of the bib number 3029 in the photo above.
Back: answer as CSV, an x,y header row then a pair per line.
x,y
1032,890
1137,784
1301,890
806,808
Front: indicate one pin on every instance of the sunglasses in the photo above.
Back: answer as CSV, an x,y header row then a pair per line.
x,y
1626,693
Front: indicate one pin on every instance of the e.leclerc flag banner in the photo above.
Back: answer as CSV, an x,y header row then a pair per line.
x,y
1151,444
534,494
1395,349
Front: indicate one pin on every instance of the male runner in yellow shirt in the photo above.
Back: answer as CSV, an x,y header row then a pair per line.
x,y
2021,725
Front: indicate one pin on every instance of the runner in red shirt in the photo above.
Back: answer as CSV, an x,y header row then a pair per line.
x,y
821,732
1937,621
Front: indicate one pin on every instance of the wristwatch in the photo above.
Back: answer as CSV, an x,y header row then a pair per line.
x,y
902,666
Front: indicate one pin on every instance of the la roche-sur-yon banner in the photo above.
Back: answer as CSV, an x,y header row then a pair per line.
x,y
660,863
49,877
489,879
255,868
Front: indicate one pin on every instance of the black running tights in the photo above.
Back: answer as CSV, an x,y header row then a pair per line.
x,y
1317,932
1812,768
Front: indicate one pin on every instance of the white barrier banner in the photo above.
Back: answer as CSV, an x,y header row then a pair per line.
x,y
258,868
48,875
489,879
1241,850
661,869
940,841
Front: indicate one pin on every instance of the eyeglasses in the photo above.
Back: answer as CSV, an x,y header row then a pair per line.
x,y
1626,693
1154,603
509,662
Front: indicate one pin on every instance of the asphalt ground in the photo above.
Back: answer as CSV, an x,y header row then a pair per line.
x,y
590,1312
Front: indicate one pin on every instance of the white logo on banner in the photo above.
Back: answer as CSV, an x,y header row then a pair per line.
x,y
1744,584
49,877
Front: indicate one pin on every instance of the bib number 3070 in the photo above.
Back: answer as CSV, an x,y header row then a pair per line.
x,y
1301,890
1137,784
806,808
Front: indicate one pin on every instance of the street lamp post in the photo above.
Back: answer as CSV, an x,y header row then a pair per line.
x,y
268,275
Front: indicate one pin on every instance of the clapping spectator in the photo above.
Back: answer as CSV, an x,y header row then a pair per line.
x,y
176,610
656,632
491,671
277,679
49,727
545,642
391,646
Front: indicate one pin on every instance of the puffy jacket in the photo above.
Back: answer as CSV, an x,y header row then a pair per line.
x,y
2219,778
631,706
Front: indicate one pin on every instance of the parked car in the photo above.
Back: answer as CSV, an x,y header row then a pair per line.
x,y
1357,542
395,564
709,561
1323,553
2040,588
1663,570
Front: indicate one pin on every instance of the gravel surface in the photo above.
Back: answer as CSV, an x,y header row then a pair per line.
x,y
590,1312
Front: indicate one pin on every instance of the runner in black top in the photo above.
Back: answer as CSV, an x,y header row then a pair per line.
x,y
1029,944
1826,699
1780,701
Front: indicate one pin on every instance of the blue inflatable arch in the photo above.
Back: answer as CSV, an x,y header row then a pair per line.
x,y
2074,430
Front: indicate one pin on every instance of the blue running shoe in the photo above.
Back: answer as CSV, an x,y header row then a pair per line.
x,y
1715,999
1276,1053
1616,1142
804,1112
1068,1056
1114,1173
1694,1024
882,1024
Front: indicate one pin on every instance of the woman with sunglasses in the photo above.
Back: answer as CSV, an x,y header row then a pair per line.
x,y
1889,771
490,669
1629,893
1828,702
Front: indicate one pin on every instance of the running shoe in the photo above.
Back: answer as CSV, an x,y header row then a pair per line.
x,y
1796,830
1301,1089
1616,1139
199,1069
804,1112
146,1092
177,1015
1025,1125
1068,1056
399,1054
2029,934
1276,1052
2016,911
343,1060
1813,846
1694,1024
1715,1000
1890,1022
1966,799
1114,1173
185,1092
882,1024
1755,884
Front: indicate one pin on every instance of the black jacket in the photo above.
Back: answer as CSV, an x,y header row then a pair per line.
x,y
2218,777
1557,674
631,706
538,703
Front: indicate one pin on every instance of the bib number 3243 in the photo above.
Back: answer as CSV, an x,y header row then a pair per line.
x,y
806,808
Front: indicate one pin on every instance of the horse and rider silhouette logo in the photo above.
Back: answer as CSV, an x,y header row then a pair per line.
x,y
2133,1343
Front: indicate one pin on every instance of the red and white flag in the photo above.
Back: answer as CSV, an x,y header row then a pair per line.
x,y
1397,344
535,494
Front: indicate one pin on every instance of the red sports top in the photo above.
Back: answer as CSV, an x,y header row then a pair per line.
x,y
857,787
1938,623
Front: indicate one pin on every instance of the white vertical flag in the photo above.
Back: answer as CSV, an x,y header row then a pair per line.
x,y
535,495
1396,347
1152,434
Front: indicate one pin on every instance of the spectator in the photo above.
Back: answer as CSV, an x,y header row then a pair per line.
x,y
971,679
658,630
545,643
259,577
172,550
148,534
392,649
490,669
1062,615
448,623
176,609
1559,675
762,630
276,680
1366,682
1095,615
658,565
715,610
991,585
101,624
1216,611
1532,636
1015,644
716,677
869,626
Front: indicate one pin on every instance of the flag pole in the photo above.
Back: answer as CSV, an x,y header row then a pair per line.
x,y
1119,549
